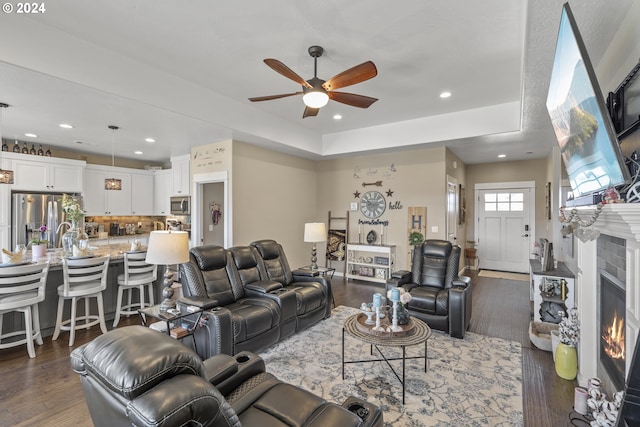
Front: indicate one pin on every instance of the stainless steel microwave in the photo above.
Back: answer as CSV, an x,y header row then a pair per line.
x,y
181,205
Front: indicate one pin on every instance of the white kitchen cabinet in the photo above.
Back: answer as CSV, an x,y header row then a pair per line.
x,y
162,189
5,231
142,193
36,173
97,200
373,263
181,175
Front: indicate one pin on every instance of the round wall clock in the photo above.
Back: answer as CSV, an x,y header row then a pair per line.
x,y
372,204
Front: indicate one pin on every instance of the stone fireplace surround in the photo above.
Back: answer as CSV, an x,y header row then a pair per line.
x,y
620,221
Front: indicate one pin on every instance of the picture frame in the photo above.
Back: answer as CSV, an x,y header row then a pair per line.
x,y
462,212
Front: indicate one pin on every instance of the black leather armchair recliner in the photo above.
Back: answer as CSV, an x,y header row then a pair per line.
x,y
141,377
440,297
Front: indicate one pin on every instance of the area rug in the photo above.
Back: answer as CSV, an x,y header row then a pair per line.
x,y
475,381
504,275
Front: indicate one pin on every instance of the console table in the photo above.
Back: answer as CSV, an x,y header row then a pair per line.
x,y
373,263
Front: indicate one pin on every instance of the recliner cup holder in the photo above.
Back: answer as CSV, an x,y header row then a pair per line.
x,y
243,358
359,410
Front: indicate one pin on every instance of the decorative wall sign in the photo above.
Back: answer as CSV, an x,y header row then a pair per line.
x,y
377,184
463,205
417,220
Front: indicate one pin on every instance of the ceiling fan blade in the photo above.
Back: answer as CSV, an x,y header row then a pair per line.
x,y
352,99
279,67
270,97
357,74
310,112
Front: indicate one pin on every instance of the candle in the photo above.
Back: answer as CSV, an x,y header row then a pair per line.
x,y
359,229
381,230
377,300
580,400
395,295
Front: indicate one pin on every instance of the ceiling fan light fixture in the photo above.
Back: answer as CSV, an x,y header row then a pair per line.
x,y
315,99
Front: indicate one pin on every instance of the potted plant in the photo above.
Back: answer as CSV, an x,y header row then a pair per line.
x,y
39,242
470,251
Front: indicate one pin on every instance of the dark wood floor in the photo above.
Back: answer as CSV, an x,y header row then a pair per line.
x,y
45,391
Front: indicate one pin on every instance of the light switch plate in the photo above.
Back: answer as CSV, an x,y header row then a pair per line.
x,y
354,206
210,227
434,228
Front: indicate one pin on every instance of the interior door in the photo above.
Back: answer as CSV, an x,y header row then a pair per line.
x,y
504,229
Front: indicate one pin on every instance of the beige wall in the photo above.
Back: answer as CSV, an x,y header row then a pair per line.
x,y
274,195
527,170
419,180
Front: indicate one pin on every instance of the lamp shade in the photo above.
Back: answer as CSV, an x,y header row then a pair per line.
x,y
168,247
315,232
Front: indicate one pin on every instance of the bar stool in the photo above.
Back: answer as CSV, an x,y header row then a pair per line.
x,y
137,275
21,289
83,278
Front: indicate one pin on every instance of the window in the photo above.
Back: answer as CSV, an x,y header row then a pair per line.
x,y
503,202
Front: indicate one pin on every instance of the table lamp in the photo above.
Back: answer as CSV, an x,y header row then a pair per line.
x,y
168,248
314,232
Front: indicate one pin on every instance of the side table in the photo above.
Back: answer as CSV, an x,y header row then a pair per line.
x,y
322,271
421,333
156,313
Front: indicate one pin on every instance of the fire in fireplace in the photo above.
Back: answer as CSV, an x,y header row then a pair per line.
x,y
612,330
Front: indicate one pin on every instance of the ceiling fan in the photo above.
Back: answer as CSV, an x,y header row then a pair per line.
x,y
317,92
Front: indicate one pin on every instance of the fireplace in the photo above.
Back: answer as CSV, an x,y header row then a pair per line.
x,y
612,328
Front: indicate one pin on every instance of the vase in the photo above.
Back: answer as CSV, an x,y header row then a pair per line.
x,y
75,237
39,251
403,314
555,340
566,361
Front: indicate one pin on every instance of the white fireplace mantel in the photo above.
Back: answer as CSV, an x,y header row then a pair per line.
x,y
622,221
616,219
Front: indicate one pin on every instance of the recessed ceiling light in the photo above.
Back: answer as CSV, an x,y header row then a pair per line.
x,y
337,117
501,156
138,152
65,126
31,135
445,94
150,140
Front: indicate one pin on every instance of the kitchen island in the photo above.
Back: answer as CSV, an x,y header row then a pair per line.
x,y
47,308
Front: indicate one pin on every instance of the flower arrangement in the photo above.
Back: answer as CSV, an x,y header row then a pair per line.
x,y
570,327
405,296
72,208
38,237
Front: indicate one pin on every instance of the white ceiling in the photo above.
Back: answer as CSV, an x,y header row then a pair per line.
x,y
181,72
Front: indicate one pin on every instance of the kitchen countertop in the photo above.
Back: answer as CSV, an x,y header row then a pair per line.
x,y
55,256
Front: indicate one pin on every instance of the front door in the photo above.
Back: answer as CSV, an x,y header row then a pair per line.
x,y
504,231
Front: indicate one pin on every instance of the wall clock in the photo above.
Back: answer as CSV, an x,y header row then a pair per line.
x,y
372,204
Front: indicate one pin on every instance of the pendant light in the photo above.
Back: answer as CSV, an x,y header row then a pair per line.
x,y
6,176
113,183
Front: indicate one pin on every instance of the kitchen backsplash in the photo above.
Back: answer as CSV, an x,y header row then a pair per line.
x,y
147,222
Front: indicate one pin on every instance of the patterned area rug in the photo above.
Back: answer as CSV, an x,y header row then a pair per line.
x,y
504,275
476,381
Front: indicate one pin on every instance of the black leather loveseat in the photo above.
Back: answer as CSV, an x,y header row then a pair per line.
x,y
260,300
141,377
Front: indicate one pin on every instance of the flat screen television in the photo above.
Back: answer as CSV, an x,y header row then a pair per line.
x,y
588,144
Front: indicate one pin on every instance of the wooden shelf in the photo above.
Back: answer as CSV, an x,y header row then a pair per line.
x,y
361,258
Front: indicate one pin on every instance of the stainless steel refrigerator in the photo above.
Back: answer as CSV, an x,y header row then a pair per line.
x,y
30,211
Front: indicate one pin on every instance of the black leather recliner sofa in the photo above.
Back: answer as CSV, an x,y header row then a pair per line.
x,y
259,302
440,297
141,377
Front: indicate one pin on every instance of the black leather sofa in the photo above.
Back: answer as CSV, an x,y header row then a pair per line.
x,y
440,297
141,377
260,300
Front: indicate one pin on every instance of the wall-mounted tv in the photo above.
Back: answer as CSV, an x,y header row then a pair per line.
x,y
586,137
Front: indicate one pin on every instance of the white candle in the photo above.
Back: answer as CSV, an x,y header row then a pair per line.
x,y
381,230
359,229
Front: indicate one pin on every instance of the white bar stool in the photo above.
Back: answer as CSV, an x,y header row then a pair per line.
x,y
21,289
137,275
83,278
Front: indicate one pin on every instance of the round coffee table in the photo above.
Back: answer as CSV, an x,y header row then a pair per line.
x,y
419,334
